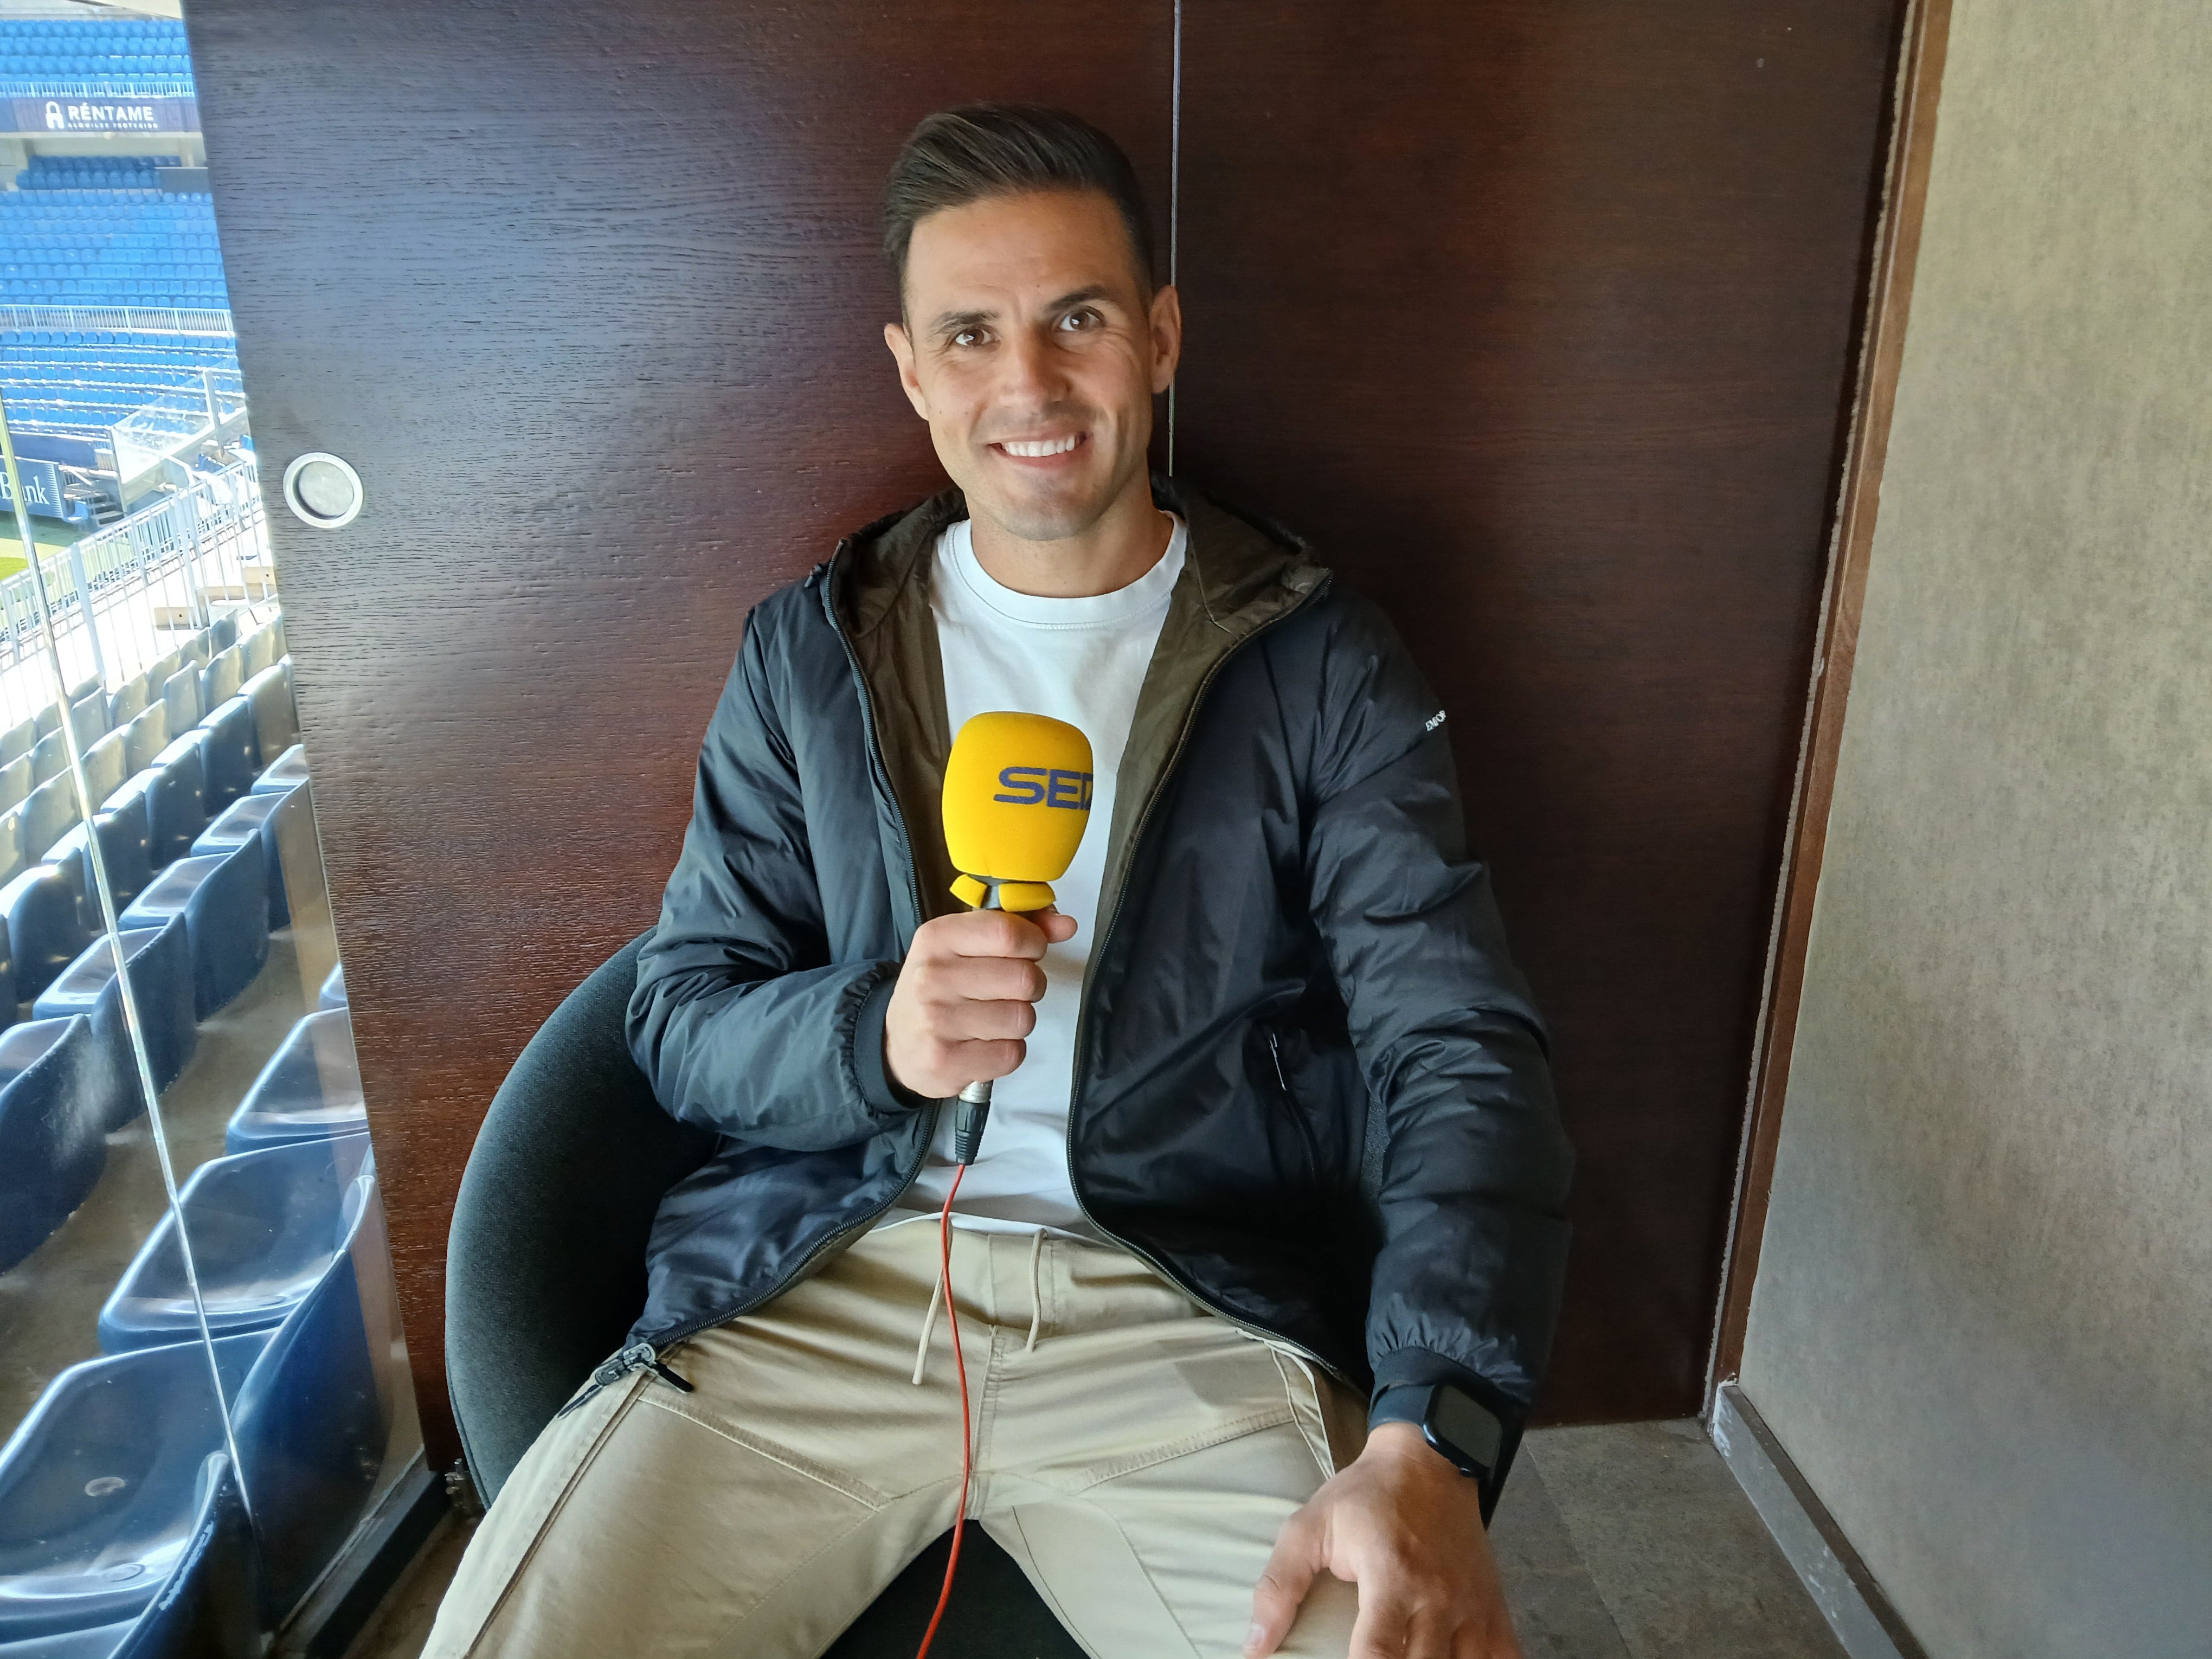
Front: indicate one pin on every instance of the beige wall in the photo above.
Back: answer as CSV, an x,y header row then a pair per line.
x,y
1983,1323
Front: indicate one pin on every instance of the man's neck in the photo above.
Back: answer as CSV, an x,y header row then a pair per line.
x,y
1125,542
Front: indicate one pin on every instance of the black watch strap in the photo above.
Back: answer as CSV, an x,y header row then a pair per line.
x,y
1463,1430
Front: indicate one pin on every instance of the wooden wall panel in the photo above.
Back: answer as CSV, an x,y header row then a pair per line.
x,y
1539,317
590,297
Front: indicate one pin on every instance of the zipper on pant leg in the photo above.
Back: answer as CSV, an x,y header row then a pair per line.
x,y
638,1357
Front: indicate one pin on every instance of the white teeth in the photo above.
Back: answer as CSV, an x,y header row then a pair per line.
x,y
1044,447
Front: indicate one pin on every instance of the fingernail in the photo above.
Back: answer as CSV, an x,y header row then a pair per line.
x,y
1252,1637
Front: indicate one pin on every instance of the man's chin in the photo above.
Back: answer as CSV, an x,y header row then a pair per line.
x,y
1041,515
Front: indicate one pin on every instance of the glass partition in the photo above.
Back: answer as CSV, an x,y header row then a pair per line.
x,y
204,1385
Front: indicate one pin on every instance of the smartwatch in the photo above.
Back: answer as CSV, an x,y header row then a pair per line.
x,y
1467,1433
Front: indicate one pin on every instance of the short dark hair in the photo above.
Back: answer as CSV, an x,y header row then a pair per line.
x,y
981,151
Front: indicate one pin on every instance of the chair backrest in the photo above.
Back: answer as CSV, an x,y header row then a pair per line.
x,y
89,715
180,695
128,701
260,650
48,814
545,1271
220,679
48,720
229,755
12,862
45,932
276,721
146,736
17,779
17,740
106,766
222,632
50,756
176,799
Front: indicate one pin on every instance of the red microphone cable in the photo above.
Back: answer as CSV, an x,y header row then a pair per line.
x,y
967,1441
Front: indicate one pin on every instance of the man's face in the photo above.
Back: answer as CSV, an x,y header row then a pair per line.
x,y
1030,350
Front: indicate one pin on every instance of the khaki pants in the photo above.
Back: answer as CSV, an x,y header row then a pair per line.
x,y
1134,1452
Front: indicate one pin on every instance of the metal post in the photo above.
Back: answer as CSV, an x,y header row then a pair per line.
x,y
84,608
214,415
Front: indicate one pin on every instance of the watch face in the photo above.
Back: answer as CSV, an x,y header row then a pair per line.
x,y
1465,1426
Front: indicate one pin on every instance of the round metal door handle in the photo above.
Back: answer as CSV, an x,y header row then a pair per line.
x,y
322,490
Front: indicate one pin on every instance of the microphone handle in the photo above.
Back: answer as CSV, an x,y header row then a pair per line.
x,y
970,1113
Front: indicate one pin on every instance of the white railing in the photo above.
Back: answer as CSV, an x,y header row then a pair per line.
x,y
144,319
123,596
151,86
175,422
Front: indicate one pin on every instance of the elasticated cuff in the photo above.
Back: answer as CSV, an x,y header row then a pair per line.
x,y
880,1089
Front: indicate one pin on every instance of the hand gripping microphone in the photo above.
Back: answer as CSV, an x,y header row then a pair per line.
x,y
1017,800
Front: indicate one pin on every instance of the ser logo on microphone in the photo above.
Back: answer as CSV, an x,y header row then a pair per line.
x,y
1041,786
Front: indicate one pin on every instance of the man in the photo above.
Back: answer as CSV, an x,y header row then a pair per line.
x,y
1257,1269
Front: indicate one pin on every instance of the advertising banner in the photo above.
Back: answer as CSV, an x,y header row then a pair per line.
x,y
107,113
42,490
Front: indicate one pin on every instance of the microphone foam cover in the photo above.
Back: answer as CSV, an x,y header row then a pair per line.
x,y
1017,797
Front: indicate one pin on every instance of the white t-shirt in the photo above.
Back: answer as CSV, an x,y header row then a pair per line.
x,y
1082,661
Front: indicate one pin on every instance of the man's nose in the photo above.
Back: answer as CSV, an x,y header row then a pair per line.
x,y
1033,372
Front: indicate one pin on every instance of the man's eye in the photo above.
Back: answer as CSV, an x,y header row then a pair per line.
x,y
967,337
1079,319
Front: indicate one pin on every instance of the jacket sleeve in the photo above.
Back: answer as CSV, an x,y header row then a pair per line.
x,y
1467,1159
740,1018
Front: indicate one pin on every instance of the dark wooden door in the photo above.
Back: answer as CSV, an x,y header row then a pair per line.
x,y
1536,317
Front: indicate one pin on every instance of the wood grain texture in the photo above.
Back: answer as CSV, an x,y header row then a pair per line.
x,y
1541,318
1912,149
591,298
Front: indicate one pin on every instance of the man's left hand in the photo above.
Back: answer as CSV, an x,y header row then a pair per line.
x,y
1406,1526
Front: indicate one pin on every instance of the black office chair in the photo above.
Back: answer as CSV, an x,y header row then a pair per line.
x,y
546,1273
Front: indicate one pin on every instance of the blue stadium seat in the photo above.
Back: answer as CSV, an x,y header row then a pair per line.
x,y
53,1122
222,633
253,817
311,1422
161,962
276,721
45,933
229,756
12,862
106,766
220,679
265,1227
125,850
48,720
223,898
310,1090
176,799
50,754
334,995
16,740
128,700
88,716
103,1484
260,649
146,736
180,694
48,814
287,772
16,782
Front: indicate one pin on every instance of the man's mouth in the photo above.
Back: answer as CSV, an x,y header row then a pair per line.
x,y
1039,449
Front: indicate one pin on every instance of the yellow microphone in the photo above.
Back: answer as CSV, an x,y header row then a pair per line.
x,y
1016,801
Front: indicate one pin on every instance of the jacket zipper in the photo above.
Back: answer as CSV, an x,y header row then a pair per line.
x,y
1272,1338
642,1355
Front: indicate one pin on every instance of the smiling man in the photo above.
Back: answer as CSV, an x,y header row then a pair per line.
x,y
1257,1270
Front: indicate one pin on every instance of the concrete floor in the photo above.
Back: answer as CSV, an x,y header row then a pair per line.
x,y
1631,1541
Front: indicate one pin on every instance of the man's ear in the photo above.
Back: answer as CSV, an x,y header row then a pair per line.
x,y
902,350
1166,322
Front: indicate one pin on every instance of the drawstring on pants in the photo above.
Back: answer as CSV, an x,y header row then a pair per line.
x,y
937,1292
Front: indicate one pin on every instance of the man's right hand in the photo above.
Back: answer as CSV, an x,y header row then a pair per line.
x,y
966,997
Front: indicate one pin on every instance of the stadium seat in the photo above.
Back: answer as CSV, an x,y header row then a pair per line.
x,y
176,799
128,701
103,1484
89,717
12,862
50,756
259,650
311,1421
48,720
229,758
333,993
252,817
287,772
45,933
146,736
16,741
126,851
263,1225
180,695
209,1601
106,766
48,814
220,679
309,1091
16,782
53,1122
223,898
276,721
160,960
222,634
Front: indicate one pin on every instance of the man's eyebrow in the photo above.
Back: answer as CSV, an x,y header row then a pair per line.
x,y
957,320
